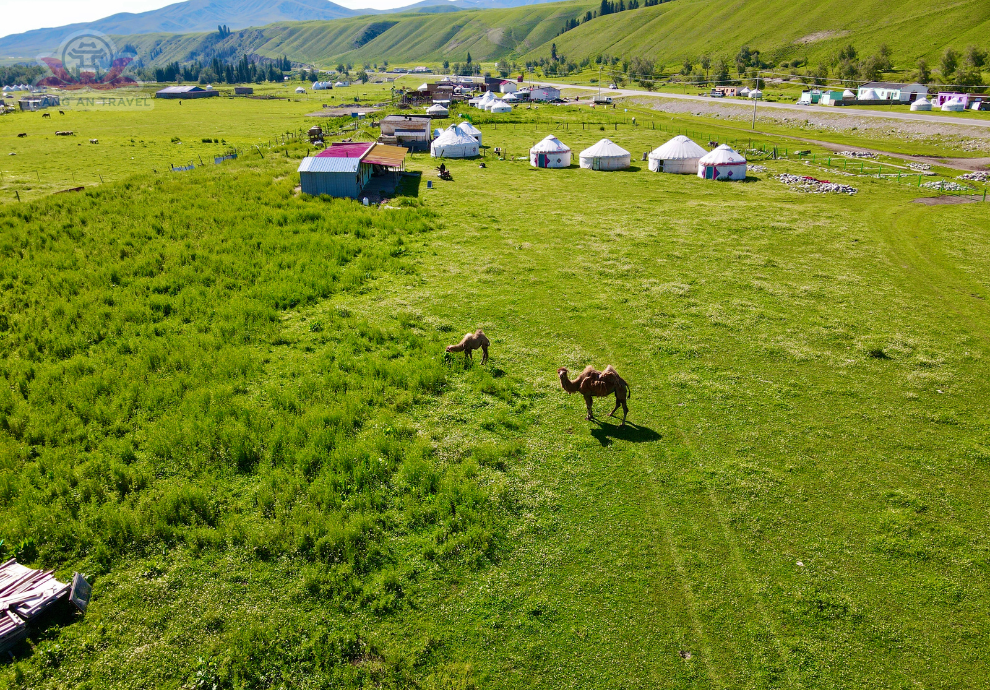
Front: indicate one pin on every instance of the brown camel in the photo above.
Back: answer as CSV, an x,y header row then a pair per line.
x,y
598,384
471,342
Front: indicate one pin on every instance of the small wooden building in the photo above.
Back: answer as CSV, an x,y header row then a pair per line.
x,y
344,169
243,90
409,131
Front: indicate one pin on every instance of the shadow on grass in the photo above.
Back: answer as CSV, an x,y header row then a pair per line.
x,y
606,433
409,184
47,626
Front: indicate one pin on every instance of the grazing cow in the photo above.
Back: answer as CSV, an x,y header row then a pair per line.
x,y
94,141
46,114
61,112
22,135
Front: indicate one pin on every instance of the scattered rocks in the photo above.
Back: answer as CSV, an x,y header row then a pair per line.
x,y
859,154
977,176
756,168
920,167
803,183
945,186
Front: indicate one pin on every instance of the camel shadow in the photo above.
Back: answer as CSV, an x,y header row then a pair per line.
x,y
606,434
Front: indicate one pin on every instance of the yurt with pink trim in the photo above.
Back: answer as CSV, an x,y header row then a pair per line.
x,y
724,163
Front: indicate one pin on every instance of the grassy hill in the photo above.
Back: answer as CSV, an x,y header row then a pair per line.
x,y
486,34
689,28
667,32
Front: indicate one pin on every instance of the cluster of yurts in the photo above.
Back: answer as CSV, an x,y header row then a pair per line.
x,y
679,155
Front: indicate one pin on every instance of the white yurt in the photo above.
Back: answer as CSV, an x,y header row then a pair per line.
x,y
423,87
340,84
501,107
848,93
472,131
454,143
954,105
756,93
724,163
437,111
550,153
679,155
921,104
487,100
604,155
300,89
870,95
744,91
511,98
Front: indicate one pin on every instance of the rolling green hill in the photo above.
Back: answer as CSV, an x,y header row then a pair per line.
x,y
486,34
689,28
667,32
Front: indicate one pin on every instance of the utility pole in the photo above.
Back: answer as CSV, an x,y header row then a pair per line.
x,y
755,100
599,81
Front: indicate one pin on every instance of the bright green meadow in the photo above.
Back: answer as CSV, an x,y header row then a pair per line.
x,y
228,404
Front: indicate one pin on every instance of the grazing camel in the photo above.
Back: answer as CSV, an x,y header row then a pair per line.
x,y
471,342
598,384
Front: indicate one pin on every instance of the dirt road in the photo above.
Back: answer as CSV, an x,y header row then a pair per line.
x,y
857,112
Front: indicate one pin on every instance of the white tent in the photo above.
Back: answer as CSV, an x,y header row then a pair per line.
x,y
511,98
954,105
744,91
423,87
339,84
921,104
604,156
679,155
501,107
848,93
722,164
470,130
454,143
756,93
300,89
437,111
870,95
486,100
550,153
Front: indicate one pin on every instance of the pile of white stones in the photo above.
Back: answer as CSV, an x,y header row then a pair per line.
x,y
945,186
813,186
977,176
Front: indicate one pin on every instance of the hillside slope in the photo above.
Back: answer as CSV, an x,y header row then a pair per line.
x,y
690,28
486,34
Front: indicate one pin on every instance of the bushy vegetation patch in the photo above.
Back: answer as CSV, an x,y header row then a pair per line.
x,y
177,377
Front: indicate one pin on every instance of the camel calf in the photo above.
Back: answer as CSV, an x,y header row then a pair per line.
x,y
471,342
598,384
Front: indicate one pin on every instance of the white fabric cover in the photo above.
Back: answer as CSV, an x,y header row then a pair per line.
x,y
679,155
437,111
605,155
469,129
848,94
756,93
556,153
501,108
423,87
870,95
726,162
954,105
921,104
454,143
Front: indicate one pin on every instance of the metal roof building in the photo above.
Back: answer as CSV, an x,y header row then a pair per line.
x,y
343,169
185,92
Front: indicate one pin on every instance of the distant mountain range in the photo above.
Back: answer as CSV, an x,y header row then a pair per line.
x,y
194,16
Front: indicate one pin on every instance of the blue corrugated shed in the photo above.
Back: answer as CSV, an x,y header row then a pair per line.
x,y
330,165
340,177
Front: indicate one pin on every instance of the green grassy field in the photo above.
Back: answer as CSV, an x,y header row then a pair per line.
x,y
228,404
